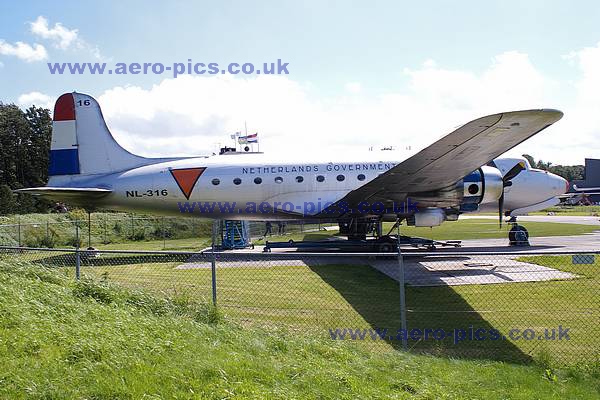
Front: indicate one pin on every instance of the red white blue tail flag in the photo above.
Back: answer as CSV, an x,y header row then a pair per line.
x,y
248,139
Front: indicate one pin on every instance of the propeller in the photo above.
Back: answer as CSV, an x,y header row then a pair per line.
x,y
507,181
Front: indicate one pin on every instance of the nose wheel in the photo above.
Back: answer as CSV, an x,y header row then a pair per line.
x,y
518,235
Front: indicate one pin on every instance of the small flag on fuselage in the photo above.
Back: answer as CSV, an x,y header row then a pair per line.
x,y
248,139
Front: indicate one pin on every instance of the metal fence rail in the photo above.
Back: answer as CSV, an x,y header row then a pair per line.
x,y
101,229
513,307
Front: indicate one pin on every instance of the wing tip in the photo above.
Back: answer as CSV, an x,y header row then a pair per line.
x,y
554,111
549,114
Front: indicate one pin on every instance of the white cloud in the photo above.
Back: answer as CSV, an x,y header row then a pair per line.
x,y
579,134
61,37
190,115
37,99
353,87
24,51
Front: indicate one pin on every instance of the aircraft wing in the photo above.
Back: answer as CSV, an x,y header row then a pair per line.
x,y
585,189
454,156
68,194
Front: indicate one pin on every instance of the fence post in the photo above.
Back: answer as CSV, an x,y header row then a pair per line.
x,y
77,263
76,233
132,227
89,229
162,229
19,230
105,217
213,264
402,294
77,255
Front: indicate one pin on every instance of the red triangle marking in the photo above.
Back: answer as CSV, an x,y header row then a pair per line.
x,y
186,179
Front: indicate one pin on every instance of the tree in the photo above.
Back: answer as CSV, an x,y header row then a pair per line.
x,y
37,151
8,205
569,172
530,159
24,148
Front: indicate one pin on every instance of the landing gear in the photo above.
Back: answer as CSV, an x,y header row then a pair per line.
x,y
387,244
358,228
518,235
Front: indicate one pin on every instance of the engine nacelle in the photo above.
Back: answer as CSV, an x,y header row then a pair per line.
x,y
427,217
482,186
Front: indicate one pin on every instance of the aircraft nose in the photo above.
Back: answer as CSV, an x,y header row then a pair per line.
x,y
559,184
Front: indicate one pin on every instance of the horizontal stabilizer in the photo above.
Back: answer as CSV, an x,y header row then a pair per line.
x,y
68,194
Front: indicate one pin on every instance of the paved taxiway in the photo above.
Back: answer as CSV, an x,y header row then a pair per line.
x,y
483,261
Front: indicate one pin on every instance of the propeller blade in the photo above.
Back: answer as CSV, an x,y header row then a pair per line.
x,y
500,209
514,171
506,182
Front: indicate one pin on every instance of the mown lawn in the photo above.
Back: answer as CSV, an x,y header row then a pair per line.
x,y
571,210
458,230
481,228
62,339
314,297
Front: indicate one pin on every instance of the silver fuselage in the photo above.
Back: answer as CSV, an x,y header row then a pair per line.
x,y
297,189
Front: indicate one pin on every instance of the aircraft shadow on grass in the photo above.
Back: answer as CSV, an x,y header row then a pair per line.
x,y
376,297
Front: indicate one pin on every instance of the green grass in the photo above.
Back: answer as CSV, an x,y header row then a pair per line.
x,y
571,303
119,231
58,230
315,297
189,244
571,210
454,230
480,228
60,339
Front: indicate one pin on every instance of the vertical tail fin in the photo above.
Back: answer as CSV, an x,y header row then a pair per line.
x,y
81,142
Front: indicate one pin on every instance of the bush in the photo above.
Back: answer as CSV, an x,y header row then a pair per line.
x,y
35,238
102,293
137,236
73,242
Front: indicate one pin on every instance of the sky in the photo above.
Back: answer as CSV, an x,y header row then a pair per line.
x,y
362,75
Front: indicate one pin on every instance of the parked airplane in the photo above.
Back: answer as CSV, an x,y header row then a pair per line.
x,y
585,189
456,174
581,198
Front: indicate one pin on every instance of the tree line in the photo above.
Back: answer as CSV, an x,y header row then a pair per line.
x,y
25,137
569,172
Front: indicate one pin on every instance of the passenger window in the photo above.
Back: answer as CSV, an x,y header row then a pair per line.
x,y
361,177
216,181
340,178
237,181
278,179
320,178
258,181
299,179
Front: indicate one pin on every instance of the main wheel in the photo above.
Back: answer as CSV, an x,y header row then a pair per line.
x,y
386,247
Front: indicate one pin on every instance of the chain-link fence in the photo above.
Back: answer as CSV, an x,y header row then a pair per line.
x,y
512,307
129,231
